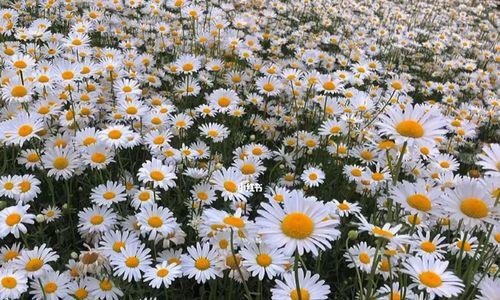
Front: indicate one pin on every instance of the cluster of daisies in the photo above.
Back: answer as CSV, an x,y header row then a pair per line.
x,y
303,150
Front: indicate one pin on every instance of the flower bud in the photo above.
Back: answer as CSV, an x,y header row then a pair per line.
x,y
352,235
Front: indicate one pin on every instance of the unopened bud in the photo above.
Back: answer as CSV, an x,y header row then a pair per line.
x,y
352,235
40,218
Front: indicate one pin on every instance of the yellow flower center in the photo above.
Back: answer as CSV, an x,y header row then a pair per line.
x,y
109,195
157,175
25,130
410,128
10,255
67,75
264,260
132,262
19,91
343,206
474,208
213,133
117,246
187,67
329,85
202,263
247,169
126,89
444,164
60,163
397,85
106,285
364,258
89,141
356,172
50,287
144,196
202,196
155,221
131,110
268,87
379,231
114,134
297,225
304,294
230,186
13,219
430,279
224,101
33,265
428,246
419,202
20,64
162,273
174,260
96,219
98,157
25,186
81,293
9,282
159,140
234,221
313,176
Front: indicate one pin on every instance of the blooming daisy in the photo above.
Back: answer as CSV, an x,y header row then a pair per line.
x,y
162,274
131,261
310,287
157,173
200,263
301,224
13,220
430,275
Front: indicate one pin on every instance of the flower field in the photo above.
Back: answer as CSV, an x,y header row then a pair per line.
x,y
249,149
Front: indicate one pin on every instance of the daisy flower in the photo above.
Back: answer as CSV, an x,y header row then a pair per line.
x,y
430,275
268,85
13,283
156,220
51,286
424,246
131,261
312,177
302,224
417,197
115,135
415,125
490,159
214,131
223,99
162,274
104,289
262,260
229,182
114,241
107,194
13,220
360,256
157,173
96,219
470,203
21,129
200,263
51,213
310,287
35,262
60,162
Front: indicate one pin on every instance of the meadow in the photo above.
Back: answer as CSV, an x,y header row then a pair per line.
x,y
249,149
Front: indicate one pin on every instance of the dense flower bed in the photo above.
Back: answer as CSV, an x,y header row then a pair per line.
x,y
174,149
